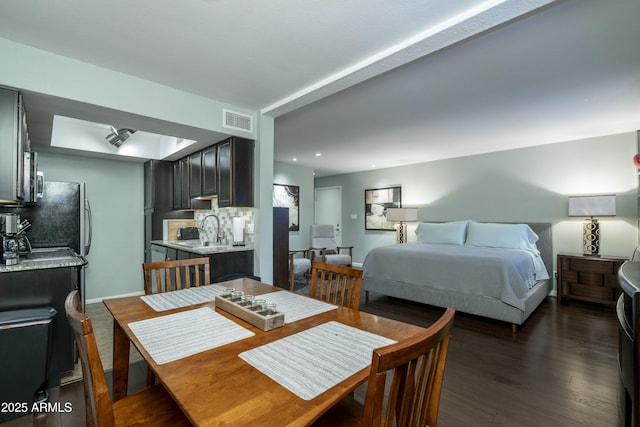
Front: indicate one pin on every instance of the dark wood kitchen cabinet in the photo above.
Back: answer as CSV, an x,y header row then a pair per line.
x,y
210,171
180,185
159,201
224,263
203,171
195,174
235,172
47,287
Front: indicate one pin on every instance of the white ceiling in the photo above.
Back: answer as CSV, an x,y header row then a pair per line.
x,y
364,82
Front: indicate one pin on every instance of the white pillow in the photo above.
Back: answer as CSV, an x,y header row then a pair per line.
x,y
446,233
493,235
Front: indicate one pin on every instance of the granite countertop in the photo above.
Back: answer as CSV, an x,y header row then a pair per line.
x,y
39,264
195,247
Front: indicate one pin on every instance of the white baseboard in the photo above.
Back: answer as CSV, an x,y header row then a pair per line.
x,y
96,300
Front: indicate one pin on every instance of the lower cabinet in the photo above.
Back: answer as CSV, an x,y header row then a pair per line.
x,y
224,263
45,288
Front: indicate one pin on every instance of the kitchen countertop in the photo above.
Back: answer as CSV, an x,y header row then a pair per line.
x,y
38,264
201,250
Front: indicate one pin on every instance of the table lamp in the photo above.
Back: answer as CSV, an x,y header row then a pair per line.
x,y
592,206
402,215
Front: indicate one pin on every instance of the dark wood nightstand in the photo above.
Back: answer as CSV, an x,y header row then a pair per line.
x,y
588,278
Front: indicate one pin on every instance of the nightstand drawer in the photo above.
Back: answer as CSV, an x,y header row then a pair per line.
x,y
591,292
596,265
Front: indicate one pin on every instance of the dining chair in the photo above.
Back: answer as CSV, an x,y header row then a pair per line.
x,y
175,274
298,265
416,369
336,284
325,248
166,276
150,407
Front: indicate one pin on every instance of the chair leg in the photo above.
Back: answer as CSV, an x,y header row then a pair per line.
x,y
151,377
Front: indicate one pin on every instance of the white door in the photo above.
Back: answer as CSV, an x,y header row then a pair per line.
x,y
328,209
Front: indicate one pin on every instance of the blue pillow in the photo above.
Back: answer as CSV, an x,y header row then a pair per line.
x,y
493,235
446,233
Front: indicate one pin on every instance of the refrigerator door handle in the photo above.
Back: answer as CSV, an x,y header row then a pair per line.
x,y
87,208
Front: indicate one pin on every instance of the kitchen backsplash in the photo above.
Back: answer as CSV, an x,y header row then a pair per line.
x,y
226,216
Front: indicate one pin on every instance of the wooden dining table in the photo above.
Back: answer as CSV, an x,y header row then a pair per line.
x,y
216,387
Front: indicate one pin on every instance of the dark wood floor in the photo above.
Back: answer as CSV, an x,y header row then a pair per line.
x,y
559,369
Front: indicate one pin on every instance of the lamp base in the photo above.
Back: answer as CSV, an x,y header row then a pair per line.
x,y
591,238
401,233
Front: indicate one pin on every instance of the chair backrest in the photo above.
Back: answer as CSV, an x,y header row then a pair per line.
x,y
416,368
175,274
99,409
336,284
323,236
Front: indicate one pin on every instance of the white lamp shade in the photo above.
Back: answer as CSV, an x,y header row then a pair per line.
x,y
402,214
592,205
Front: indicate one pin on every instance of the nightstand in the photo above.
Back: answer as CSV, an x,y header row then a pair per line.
x,y
588,278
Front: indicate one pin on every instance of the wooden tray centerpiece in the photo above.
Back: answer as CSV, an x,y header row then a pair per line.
x,y
265,319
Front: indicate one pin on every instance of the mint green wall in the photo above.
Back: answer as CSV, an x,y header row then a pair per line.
x,y
114,189
302,177
26,68
529,184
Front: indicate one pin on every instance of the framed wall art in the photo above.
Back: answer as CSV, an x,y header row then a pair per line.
x,y
288,196
376,202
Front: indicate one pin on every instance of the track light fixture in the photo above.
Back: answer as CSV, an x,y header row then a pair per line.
x,y
118,136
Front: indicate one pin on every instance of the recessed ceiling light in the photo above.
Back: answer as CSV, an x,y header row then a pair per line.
x,y
318,154
295,160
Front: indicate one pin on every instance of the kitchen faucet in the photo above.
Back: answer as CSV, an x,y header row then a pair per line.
x,y
219,232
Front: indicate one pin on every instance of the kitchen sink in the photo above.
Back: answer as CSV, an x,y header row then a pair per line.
x,y
45,254
197,244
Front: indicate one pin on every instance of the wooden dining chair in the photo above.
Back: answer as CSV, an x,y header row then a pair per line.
x,y
416,369
175,274
166,276
336,284
150,407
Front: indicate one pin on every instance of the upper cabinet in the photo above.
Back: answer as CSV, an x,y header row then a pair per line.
x,y
158,185
13,145
195,174
235,172
224,170
210,171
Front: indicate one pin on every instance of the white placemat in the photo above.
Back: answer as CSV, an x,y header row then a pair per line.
x,y
311,362
174,336
182,298
296,307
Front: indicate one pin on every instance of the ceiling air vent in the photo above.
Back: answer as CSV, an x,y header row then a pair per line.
x,y
233,120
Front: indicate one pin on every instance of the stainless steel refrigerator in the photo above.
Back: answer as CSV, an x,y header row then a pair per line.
x,y
61,218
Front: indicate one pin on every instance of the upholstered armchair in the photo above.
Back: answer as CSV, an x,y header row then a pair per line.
x,y
299,263
324,247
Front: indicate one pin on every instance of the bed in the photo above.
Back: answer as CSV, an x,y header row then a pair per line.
x,y
495,270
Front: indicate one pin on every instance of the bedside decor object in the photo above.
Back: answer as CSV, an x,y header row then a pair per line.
x,y
376,203
592,206
402,216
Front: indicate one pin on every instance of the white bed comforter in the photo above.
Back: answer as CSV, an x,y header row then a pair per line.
x,y
505,274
